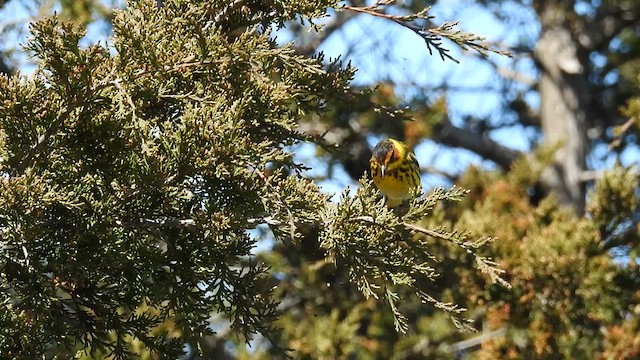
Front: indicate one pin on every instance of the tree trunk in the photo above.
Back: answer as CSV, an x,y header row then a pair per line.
x,y
564,100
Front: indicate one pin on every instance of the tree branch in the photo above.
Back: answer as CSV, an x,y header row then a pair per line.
x,y
431,34
157,223
311,47
480,144
433,170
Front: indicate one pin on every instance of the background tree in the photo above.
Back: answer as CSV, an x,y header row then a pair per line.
x,y
575,278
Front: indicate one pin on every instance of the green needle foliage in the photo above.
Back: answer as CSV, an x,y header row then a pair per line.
x,y
130,181
381,252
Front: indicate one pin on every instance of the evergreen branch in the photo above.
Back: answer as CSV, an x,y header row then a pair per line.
x,y
484,264
41,142
120,88
157,223
186,63
168,223
310,48
203,271
43,139
450,308
290,216
429,32
382,254
232,6
399,320
438,235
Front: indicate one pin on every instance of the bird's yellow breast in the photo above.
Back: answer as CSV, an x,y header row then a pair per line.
x,y
397,183
393,185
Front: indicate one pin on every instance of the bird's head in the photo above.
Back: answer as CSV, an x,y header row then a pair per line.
x,y
387,154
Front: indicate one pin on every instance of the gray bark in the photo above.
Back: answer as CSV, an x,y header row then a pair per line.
x,y
564,104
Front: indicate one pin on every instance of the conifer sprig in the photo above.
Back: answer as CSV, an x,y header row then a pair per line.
x,y
421,23
383,256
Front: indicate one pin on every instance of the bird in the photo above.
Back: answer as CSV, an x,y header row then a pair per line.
x,y
395,171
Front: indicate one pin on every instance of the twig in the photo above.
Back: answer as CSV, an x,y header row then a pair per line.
x,y
431,33
311,47
120,88
292,224
425,231
477,340
157,223
621,129
590,175
485,265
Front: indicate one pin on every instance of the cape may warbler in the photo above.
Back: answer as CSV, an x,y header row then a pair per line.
x,y
395,171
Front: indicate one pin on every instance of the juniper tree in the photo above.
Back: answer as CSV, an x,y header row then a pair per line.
x,y
567,231
133,171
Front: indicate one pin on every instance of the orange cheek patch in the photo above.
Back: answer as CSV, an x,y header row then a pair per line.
x,y
394,155
391,156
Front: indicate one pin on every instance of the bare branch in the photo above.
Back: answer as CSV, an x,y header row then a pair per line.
x,y
480,144
434,170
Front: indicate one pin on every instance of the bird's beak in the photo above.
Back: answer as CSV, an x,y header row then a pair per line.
x,y
382,170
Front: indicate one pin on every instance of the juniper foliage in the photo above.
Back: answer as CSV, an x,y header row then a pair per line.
x,y
131,175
